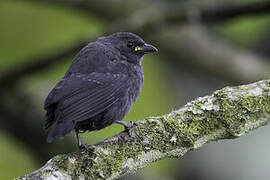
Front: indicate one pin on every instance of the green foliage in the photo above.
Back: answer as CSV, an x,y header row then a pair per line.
x,y
32,29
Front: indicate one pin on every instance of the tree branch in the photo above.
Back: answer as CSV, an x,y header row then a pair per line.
x,y
228,113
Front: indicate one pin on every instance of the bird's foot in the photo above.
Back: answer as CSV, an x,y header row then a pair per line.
x,y
128,126
83,146
80,144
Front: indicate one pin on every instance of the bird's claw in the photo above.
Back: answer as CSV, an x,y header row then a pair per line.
x,y
129,127
83,146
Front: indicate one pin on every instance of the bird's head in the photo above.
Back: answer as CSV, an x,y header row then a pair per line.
x,y
130,45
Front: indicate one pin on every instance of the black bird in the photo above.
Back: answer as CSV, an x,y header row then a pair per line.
x,y
103,81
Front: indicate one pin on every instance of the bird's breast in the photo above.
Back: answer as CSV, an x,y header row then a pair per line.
x,y
134,80
136,77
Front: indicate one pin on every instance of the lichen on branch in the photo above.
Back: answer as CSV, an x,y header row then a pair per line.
x,y
227,113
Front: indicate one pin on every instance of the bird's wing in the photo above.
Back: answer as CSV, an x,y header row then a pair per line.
x,y
80,97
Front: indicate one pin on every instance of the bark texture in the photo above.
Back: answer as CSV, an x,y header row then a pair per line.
x,y
228,113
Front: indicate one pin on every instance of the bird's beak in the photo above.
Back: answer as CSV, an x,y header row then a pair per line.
x,y
148,48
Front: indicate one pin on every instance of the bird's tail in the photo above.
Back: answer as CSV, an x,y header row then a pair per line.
x,y
59,130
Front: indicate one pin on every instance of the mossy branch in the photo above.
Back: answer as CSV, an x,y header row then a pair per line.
x,y
227,113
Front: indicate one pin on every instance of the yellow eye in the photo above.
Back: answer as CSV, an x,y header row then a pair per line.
x,y
137,48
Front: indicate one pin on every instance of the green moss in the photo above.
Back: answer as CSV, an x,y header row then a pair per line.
x,y
234,113
202,123
219,111
62,162
267,89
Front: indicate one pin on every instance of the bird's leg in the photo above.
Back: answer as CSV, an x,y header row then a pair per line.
x,y
79,142
128,126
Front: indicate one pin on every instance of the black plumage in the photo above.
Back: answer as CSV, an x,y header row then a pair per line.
x,y
100,86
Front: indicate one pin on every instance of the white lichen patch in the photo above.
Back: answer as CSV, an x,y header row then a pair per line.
x,y
151,156
172,113
202,104
256,91
209,105
178,152
129,163
58,175
153,120
193,109
197,111
71,160
101,174
103,151
173,139
231,93
81,177
145,141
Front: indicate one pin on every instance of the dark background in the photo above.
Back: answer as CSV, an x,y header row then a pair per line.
x,y
203,46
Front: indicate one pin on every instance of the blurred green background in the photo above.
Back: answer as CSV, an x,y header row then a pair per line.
x,y
31,29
